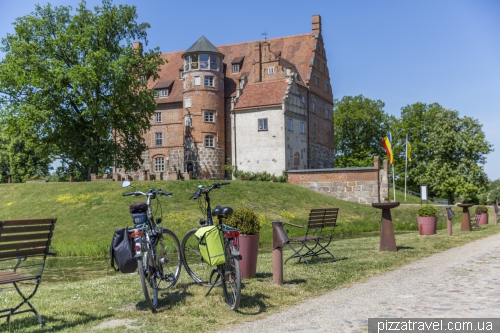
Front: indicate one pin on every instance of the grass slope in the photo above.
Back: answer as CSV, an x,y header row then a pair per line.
x,y
89,212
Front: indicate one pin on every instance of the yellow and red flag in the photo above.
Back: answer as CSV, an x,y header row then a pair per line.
x,y
386,142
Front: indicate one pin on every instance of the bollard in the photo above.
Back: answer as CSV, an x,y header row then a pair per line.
x,y
280,239
495,206
449,216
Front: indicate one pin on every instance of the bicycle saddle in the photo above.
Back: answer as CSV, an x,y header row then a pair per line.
x,y
222,211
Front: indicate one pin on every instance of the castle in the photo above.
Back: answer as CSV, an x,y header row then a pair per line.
x,y
261,106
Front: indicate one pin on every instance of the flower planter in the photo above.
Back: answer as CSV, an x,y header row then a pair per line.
x,y
483,219
427,225
249,249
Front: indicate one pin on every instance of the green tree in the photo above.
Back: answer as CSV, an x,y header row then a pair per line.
x,y
457,149
76,83
417,121
360,125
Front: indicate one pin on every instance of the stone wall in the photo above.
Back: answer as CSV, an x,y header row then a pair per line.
x,y
362,185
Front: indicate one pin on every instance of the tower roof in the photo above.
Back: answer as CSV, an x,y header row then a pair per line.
x,y
202,45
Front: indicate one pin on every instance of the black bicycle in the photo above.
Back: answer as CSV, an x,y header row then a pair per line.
x,y
227,274
157,249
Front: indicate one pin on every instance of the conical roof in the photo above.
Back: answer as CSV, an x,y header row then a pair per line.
x,y
202,45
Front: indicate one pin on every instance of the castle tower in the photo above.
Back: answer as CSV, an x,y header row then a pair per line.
x,y
203,110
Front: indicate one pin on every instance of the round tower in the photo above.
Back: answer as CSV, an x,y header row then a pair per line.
x,y
203,99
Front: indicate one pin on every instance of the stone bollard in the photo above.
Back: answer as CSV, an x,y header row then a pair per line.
x,y
280,239
449,216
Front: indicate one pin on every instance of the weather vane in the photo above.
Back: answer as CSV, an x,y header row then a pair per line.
x,y
265,34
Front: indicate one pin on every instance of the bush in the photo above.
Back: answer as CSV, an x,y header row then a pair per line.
x,y
427,210
481,209
245,220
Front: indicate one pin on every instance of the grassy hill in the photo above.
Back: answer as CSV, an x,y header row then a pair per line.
x,y
89,212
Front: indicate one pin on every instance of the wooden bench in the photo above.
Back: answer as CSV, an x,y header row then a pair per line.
x,y
24,247
319,233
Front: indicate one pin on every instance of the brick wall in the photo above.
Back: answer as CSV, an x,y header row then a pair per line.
x,y
362,185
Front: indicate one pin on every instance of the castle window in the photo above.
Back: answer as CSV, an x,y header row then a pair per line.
x,y
181,74
197,80
291,152
187,102
324,68
317,63
209,81
159,164
270,70
314,107
314,131
159,138
316,81
164,92
302,128
290,124
209,116
236,68
209,141
188,143
327,114
262,124
158,117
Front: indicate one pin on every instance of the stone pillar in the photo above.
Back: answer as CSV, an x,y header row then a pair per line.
x,y
9,179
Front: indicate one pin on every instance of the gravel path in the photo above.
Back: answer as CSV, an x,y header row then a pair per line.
x,y
462,282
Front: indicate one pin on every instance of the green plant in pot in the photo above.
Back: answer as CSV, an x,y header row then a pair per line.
x,y
248,225
427,220
483,211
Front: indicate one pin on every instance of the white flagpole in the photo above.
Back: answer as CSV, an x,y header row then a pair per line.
x,y
393,183
406,161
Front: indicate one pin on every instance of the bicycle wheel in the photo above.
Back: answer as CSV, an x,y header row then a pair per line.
x,y
148,280
169,260
193,262
231,281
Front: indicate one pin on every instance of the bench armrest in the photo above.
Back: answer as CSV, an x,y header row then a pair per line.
x,y
293,225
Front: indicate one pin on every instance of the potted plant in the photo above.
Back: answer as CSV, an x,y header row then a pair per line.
x,y
483,210
427,220
248,225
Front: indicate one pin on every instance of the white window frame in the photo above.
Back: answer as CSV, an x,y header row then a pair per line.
x,y
289,124
158,117
209,141
209,81
164,92
262,124
158,139
209,116
236,68
302,127
197,81
159,164
187,102
270,70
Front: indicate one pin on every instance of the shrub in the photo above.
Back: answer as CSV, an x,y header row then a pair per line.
x,y
245,220
427,210
481,209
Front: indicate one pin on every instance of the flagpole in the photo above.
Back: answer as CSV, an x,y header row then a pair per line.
x,y
393,183
406,161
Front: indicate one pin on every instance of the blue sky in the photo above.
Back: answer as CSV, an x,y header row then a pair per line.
x,y
401,52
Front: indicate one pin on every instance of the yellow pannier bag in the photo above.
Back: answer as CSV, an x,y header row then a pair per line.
x,y
211,245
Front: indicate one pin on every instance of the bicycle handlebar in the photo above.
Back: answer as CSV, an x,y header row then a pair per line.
x,y
202,190
150,192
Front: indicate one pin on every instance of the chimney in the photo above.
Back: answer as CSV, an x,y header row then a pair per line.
x,y
258,63
316,24
137,46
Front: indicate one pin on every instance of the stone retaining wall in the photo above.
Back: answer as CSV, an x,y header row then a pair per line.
x,y
362,185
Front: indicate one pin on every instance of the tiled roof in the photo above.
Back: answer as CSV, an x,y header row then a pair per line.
x,y
262,94
163,84
202,45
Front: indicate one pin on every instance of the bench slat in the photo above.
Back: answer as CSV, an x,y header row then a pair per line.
x,y
28,237
23,245
26,229
22,253
10,277
8,223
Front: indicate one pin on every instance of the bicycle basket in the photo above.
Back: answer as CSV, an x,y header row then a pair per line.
x,y
211,245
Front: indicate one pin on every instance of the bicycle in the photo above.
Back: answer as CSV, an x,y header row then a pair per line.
x,y
227,274
157,250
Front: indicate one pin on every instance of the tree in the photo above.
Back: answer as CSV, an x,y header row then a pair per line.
x,y
76,83
457,149
360,125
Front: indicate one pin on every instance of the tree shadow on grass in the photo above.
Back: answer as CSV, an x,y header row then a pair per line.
x,y
249,303
405,248
31,322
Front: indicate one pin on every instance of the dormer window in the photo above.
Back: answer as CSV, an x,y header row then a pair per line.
x,y
164,92
236,68
270,70
236,64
